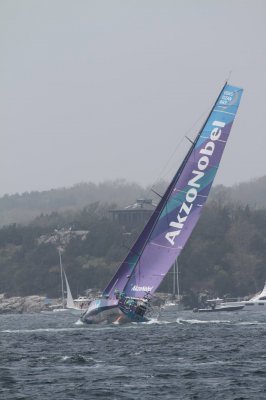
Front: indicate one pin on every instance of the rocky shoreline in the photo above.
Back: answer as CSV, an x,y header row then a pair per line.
x,y
36,304
28,304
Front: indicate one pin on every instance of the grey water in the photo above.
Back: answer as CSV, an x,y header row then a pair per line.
x,y
180,355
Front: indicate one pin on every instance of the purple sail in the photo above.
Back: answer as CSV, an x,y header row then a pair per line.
x,y
173,220
177,213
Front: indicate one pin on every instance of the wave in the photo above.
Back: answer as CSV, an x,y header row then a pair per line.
x,y
217,321
251,323
200,321
79,322
152,321
40,330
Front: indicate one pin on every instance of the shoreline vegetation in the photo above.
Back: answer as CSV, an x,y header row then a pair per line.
x,y
23,208
225,256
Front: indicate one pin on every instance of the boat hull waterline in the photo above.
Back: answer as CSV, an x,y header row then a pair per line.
x,y
221,309
257,302
103,311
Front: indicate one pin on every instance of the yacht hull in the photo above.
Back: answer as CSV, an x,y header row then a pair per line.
x,y
255,306
103,311
220,309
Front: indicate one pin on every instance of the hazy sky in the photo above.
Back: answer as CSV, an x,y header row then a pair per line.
x,y
104,89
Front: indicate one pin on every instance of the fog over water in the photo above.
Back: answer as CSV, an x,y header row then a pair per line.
x,y
100,90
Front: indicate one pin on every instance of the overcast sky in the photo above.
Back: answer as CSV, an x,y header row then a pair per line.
x,y
95,90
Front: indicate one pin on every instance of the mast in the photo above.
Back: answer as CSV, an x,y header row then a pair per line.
x,y
177,281
174,280
177,213
62,282
127,268
176,291
159,209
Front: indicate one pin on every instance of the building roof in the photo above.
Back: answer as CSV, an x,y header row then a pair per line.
x,y
139,205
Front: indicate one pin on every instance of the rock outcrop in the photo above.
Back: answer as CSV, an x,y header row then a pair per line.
x,y
28,304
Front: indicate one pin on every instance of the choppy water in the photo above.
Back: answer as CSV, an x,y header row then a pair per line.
x,y
181,356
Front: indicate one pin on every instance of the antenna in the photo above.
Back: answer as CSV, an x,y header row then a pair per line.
x,y
229,76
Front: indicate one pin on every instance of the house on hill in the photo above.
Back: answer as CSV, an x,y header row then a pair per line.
x,y
135,214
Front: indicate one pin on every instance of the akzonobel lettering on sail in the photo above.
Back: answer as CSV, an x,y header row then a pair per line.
x,y
192,193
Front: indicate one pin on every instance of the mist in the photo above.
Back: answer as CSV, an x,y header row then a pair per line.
x,y
104,90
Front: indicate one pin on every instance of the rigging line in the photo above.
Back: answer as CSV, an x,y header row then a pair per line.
x,y
156,193
191,141
163,201
165,198
162,172
163,169
182,166
229,75
130,250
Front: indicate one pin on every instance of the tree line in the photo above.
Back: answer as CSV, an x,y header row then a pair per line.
x,y
226,254
23,208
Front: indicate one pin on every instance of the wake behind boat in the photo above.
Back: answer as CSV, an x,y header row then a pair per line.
x,y
172,222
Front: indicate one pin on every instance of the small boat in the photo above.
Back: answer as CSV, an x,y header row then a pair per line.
x,y
257,302
82,302
74,306
175,299
61,308
218,305
172,222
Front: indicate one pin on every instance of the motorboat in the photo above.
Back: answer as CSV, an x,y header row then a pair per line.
x,y
257,302
217,305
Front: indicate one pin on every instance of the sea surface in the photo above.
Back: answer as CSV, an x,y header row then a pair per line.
x,y
180,355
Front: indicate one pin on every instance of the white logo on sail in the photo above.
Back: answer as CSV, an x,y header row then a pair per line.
x,y
142,288
192,193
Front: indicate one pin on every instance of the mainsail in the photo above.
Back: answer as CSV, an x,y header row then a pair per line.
x,y
70,302
176,215
173,220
